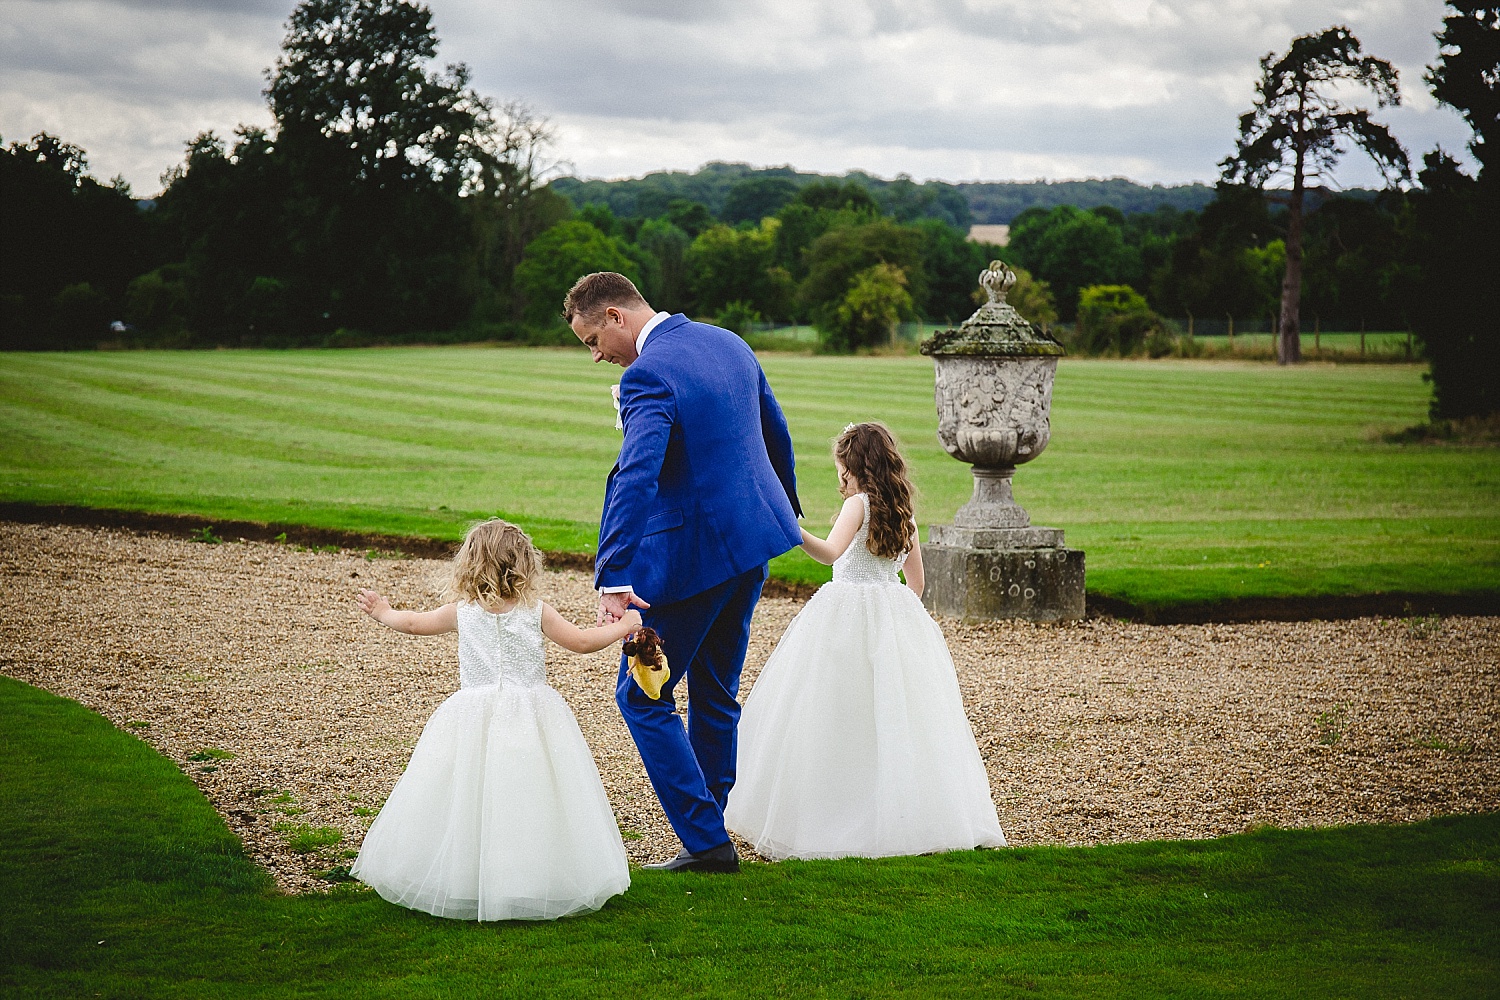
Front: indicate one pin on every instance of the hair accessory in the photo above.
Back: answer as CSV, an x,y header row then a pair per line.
x,y
849,427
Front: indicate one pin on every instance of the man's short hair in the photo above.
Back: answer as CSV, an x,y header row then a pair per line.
x,y
594,293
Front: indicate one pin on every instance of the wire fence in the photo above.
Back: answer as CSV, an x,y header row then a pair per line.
x,y
1197,337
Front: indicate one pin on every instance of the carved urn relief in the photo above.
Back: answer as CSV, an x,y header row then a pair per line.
x,y
994,397
994,400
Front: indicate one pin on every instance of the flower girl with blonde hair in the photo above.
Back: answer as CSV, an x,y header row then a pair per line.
x,y
500,814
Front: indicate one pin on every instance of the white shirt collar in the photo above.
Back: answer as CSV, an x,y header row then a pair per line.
x,y
651,324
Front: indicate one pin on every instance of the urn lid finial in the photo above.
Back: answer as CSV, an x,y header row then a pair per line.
x,y
996,329
996,280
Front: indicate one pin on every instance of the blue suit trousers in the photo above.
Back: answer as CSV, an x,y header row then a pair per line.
x,y
692,769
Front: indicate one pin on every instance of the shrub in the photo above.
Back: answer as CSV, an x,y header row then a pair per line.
x,y
80,315
156,302
740,317
1115,319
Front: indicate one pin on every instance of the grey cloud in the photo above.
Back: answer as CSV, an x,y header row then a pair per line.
x,y
1072,80
278,9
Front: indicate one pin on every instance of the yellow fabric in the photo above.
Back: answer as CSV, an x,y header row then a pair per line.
x,y
650,679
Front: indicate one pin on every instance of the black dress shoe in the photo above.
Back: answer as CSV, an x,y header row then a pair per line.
x,y
716,859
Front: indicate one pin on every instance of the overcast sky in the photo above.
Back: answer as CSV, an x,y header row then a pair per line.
x,y
976,90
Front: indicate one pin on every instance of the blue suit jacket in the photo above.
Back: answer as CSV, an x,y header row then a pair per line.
x,y
705,487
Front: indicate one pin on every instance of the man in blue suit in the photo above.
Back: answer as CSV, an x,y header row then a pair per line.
x,y
702,497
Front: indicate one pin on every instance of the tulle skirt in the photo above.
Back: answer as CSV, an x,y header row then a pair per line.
x,y
854,741
500,815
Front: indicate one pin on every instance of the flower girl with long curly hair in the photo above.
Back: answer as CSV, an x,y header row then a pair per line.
x,y
854,741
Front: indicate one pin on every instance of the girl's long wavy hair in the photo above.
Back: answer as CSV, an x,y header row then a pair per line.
x,y
495,564
869,454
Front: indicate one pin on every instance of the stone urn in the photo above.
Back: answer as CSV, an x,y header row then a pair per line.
x,y
994,399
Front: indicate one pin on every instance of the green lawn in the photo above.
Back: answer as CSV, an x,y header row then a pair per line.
x,y
120,881
1183,481
1385,344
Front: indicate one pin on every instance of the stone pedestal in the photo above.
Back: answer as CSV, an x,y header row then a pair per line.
x,y
992,385
985,573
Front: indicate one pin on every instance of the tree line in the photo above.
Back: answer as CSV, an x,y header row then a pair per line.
x,y
738,192
390,201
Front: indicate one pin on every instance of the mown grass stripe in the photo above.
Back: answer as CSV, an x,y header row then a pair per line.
x,y
1224,464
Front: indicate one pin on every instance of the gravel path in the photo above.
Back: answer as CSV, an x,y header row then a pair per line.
x,y
250,666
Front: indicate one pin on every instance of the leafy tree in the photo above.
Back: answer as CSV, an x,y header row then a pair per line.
x,y
1264,267
379,147
227,209
1296,127
819,208
951,263
1003,202
736,265
80,315
906,201
1354,274
877,300
1467,74
62,230
830,195
559,257
691,217
669,245
903,199
1153,235
1457,217
351,89
756,198
1032,298
508,196
1207,272
840,254
1070,249
156,303
600,217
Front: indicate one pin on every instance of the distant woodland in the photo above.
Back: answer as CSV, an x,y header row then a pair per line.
x,y
390,202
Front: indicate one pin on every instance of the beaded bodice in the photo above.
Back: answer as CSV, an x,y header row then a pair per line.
x,y
858,564
500,648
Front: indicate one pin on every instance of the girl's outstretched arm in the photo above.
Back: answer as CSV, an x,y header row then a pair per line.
x,y
586,640
435,622
839,538
915,576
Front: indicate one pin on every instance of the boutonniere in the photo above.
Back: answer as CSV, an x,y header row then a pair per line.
x,y
614,392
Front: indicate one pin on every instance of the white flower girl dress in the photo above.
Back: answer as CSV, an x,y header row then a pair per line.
x,y
854,741
501,814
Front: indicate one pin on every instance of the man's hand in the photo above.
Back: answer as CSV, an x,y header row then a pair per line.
x,y
612,606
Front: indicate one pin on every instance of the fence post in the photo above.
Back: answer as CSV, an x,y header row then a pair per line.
x,y
1408,345
1361,337
1231,332
1190,326
1317,335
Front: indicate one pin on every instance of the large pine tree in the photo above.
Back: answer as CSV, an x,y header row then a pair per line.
x,y
1297,129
